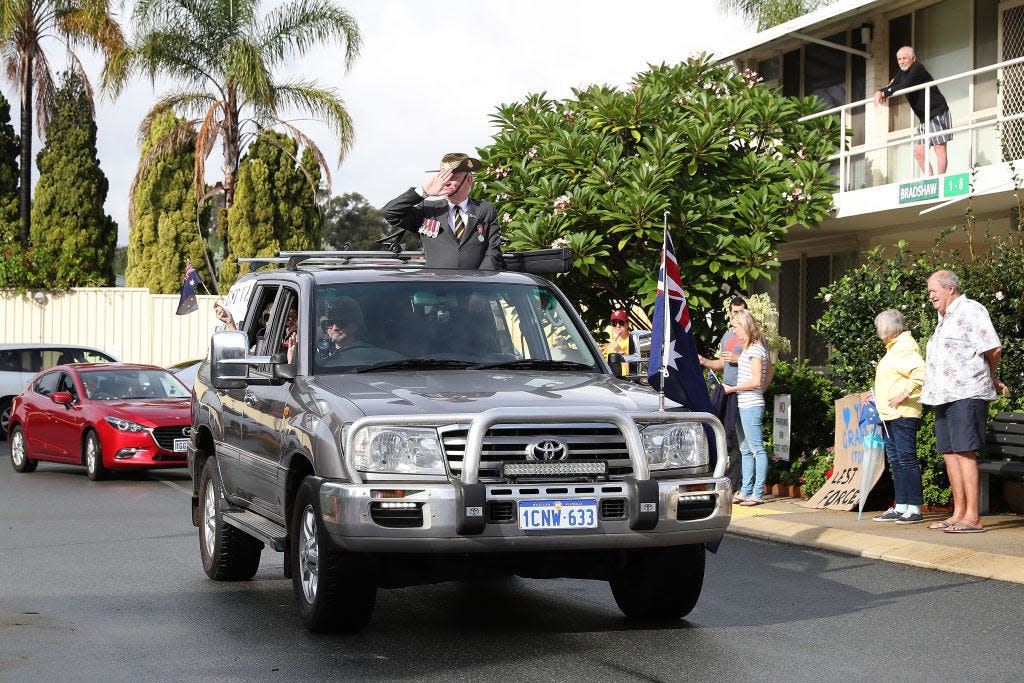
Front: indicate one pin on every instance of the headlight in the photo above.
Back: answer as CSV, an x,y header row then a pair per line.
x,y
405,450
674,445
124,425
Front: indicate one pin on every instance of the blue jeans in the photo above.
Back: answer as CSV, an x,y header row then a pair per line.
x,y
754,457
901,451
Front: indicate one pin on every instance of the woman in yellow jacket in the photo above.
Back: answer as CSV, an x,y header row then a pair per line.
x,y
897,394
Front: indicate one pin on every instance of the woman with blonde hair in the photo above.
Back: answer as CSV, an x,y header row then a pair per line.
x,y
750,385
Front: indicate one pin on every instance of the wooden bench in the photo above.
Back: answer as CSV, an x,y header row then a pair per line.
x,y
1004,453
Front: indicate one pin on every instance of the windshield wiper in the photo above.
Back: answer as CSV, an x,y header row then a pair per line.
x,y
416,364
535,364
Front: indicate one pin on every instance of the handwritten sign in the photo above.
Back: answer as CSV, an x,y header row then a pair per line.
x,y
843,489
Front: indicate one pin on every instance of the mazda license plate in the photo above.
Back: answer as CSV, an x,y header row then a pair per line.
x,y
568,513
180,445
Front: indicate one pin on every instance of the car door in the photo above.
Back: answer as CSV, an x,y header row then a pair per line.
x,y
246,478
37,421
265,406
67,422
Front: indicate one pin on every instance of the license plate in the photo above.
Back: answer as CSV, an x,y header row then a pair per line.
x,y
180,445
569,513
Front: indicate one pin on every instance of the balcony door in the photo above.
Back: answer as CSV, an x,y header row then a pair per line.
x,y
1011,92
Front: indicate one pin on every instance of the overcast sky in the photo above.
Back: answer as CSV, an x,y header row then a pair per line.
x,y
431,74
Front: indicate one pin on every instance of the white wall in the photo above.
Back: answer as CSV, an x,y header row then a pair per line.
x,y
131,324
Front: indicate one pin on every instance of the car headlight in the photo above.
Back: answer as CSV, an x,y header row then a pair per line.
x,y
124,425
399,450
675,445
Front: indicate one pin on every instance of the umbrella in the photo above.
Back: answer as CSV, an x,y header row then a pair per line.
x,y
874,450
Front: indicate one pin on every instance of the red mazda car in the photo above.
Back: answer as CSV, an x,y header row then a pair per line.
x,y
105,416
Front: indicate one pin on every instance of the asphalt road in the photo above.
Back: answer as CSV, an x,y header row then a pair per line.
x,y
102,581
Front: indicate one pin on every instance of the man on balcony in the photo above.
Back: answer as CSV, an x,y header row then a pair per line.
x,y
911,73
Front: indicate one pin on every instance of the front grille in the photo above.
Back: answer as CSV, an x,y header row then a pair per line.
x,y
501,512
613,508
509,442
165,436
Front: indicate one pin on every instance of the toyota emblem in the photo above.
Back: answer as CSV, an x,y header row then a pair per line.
x,y
547,450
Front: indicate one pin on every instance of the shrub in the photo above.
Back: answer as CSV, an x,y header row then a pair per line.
x,y
818,470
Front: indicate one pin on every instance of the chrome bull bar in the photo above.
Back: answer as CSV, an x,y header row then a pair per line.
x,y
479,423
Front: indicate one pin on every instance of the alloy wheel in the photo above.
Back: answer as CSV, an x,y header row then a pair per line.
x,y
309,555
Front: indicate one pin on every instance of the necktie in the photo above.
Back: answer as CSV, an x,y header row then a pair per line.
x,y
460,225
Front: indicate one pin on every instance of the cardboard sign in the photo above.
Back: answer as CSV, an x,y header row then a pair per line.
x,y
782,416
843,490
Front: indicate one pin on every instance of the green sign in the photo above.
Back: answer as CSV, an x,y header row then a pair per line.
x,y
919,191
956,185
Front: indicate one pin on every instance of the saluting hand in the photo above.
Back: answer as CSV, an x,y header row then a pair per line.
x,y
435,186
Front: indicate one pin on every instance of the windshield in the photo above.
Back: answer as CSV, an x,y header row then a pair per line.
x,y
416,325
132,384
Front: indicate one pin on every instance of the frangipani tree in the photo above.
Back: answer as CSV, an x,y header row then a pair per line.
x,y
728,159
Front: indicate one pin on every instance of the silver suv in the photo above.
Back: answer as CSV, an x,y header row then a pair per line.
x,y
437,425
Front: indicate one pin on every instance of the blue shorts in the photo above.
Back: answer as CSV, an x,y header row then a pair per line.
x,y
960,425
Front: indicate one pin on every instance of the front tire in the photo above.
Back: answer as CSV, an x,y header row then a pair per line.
x,y
19,453
334,590
228,553
660,584
94,458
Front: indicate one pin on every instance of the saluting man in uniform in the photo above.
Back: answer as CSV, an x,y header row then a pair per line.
x,y
456,231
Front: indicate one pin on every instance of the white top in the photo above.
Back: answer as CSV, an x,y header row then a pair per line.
x,y
751,398
955,367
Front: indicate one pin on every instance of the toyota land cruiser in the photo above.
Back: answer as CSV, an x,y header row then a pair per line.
x,y
435,425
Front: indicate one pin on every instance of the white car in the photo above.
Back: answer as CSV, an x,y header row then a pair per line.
x,y
20,362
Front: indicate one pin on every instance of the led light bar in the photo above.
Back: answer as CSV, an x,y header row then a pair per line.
x,y
554,469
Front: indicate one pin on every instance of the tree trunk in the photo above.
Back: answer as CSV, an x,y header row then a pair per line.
x,y
25,205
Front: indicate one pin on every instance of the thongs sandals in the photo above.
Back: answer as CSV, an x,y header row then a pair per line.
x,y
751,502
737,498
962,527
939,526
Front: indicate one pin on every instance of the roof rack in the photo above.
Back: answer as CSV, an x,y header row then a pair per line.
x,y
538,262
338,259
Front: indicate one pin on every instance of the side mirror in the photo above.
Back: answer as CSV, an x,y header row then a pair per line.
x,y
63,397
615,360
229,367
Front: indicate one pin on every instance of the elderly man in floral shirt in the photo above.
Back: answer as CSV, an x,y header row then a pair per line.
x,y
960,379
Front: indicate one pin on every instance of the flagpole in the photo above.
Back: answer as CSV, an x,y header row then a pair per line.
x,y
666,312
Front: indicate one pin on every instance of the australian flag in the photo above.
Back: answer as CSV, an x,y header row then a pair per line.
x,y
685,381
187,303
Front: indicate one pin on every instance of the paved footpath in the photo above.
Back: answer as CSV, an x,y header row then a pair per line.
x,y
996,554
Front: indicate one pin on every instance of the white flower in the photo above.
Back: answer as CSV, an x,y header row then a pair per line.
x,y
828,297
562,203
999,296
532,152
560,243
506,217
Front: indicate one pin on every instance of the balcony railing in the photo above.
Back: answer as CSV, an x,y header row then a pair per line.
x,y
1005,145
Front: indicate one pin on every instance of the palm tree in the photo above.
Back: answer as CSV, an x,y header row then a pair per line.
x,y
221,57
25,27
768,13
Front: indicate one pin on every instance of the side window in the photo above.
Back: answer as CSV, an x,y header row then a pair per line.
x,y
258,318
65,383
47,384
9,361
90,356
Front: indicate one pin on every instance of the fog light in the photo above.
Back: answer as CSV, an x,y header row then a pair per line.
x,y
126,453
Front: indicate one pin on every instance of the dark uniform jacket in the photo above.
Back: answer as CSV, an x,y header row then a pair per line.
x,y
480,246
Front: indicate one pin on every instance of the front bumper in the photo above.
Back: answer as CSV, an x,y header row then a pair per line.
x,y
472,516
